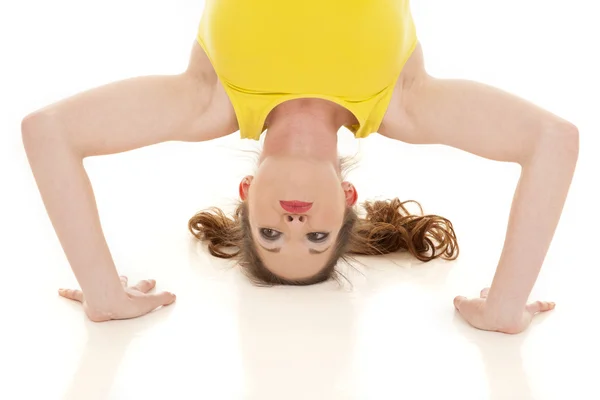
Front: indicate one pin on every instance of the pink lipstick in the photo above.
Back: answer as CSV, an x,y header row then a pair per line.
x,y
295,207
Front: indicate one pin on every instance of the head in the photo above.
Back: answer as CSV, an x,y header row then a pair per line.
x,y
302,246
297,214
295,209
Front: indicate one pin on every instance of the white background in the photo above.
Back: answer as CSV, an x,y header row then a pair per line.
x,y
394,334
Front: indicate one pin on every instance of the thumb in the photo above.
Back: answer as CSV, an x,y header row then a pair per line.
x,y
459,301
155,300
540,306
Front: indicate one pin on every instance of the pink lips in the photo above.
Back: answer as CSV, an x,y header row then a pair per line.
x,y
296,207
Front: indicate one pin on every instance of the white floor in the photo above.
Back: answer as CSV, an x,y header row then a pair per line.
x,y
394,333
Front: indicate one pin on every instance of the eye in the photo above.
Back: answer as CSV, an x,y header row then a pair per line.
x,y
269,234
317,237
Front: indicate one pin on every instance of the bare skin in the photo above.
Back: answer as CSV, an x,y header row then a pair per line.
x,y
501,127
111,119
299,161
301,136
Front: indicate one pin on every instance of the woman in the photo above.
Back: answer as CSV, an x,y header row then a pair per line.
x,y
302,71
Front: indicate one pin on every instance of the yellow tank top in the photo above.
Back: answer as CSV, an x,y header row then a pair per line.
x,y
350,52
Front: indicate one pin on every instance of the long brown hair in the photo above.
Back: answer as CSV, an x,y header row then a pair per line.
x,y
387,227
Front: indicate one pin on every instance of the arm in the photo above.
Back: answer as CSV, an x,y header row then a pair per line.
x,y
536,208
114,118
496,125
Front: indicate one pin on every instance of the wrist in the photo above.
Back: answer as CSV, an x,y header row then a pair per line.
x,y
105,300
504,301
503,313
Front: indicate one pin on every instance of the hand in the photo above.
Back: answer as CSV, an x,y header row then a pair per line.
x,y
474,311
136,302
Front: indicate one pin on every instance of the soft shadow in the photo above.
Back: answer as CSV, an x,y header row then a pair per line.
x,y
388,270
296,342
502,359
105,348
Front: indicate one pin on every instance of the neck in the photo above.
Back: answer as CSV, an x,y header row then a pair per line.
x,y
305,128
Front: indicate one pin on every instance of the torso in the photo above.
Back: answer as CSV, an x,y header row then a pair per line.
x,y
394,117
221,105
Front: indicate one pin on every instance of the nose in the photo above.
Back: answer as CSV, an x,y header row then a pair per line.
x,y
295,219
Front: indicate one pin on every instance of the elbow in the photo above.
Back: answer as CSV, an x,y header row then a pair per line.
x,y
33,127
567,135
559,141
39,133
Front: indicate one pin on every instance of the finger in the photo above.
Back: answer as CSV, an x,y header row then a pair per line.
x,y
71,294
458,301
540,306
153,301
124,280
145,286
484,293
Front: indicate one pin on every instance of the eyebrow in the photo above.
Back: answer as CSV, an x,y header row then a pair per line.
x,y
278,249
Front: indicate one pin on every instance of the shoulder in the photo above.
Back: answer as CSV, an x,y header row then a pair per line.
x,y
396,123
199,65
218,108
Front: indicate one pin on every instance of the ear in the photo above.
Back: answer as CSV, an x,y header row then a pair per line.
x,y
245,187
351,193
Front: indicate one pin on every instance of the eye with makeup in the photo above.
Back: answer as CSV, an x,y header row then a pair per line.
x,y
317,237
272,235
